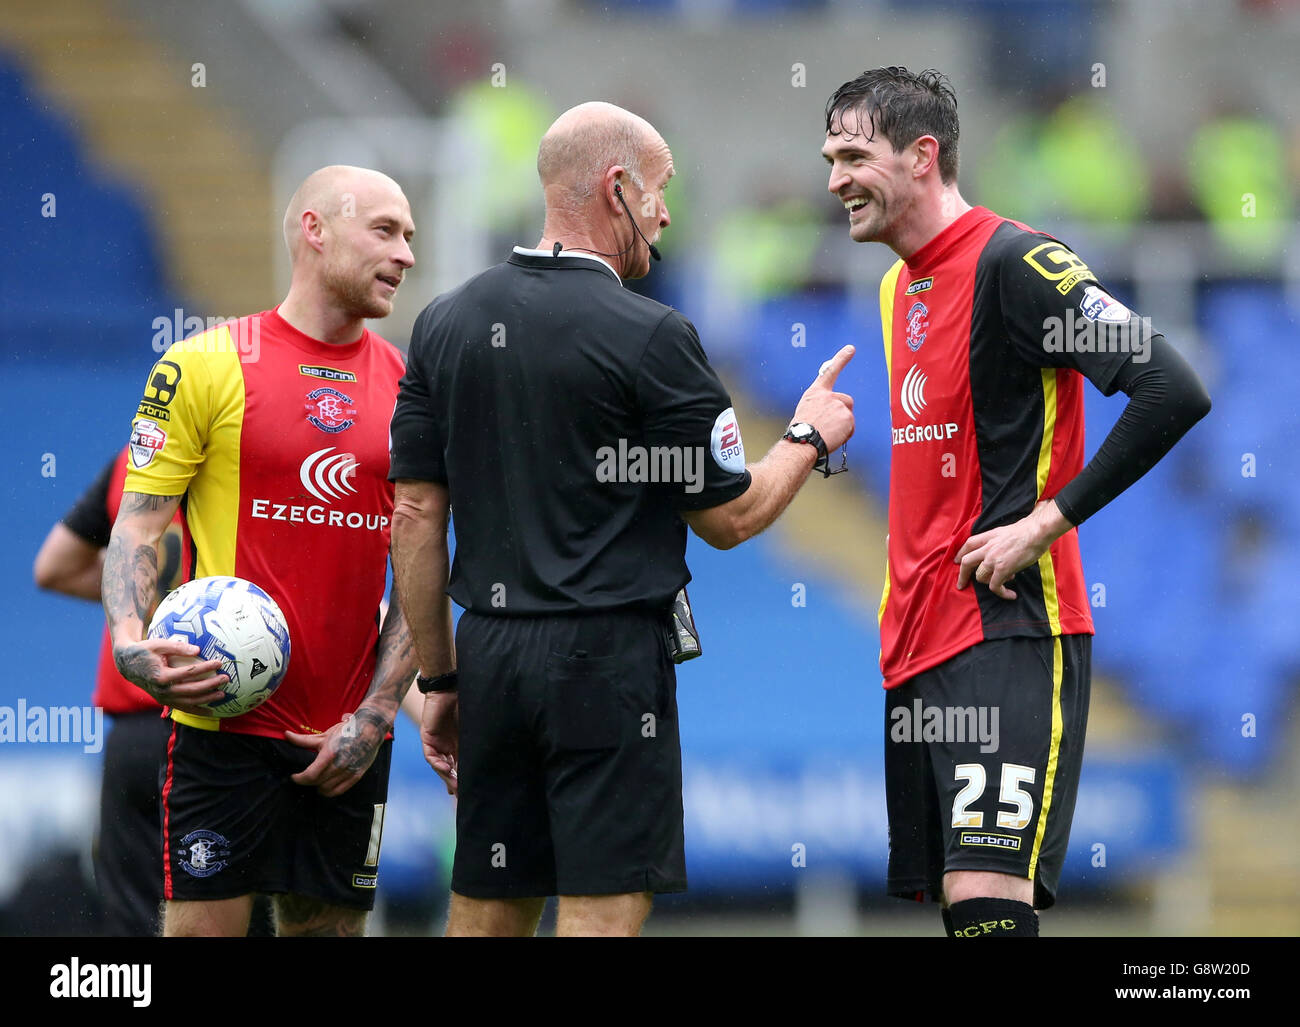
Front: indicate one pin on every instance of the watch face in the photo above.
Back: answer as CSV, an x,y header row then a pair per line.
x,y
801,431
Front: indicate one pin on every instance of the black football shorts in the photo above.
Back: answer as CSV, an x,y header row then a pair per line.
x,y
569,768
235,824
127,873
982,761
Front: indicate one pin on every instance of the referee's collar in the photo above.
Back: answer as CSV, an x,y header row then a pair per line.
x,y
543,258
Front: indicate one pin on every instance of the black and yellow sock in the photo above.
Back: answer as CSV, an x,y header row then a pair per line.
x,y
993,918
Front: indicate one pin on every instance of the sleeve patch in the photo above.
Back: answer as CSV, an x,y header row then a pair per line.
x,y
726,444
1057,264
147,439
1099,305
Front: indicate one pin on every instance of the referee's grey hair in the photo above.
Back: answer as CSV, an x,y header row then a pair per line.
x,y
586,141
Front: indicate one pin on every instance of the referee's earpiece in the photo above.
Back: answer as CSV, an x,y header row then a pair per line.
x,y
654,250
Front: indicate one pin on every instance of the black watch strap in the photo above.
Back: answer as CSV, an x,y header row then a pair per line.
x,y
442,683
813,438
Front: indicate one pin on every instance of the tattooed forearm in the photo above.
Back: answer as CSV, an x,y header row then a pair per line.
x,y
134,661
116,591
395,666
362,736
144,567
130,581
138,502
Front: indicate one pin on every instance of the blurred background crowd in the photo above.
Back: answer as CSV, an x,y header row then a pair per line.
x,y
149,149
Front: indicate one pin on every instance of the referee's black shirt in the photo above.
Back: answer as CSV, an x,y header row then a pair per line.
x,y
570,420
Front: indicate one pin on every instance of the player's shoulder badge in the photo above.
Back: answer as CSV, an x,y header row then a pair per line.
x,y
147,439
1099,305
1058,264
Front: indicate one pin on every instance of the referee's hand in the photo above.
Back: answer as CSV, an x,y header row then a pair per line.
x,y
440,736
830,412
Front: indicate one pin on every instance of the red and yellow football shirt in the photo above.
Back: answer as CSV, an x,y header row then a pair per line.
x,y
279,444
986,407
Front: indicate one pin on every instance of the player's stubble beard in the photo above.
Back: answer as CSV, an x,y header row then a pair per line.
x,y
353,292
873,226
886,216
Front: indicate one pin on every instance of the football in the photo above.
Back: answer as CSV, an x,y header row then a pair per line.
x,y
234,621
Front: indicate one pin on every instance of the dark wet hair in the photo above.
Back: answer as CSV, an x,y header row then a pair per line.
x,y
902,107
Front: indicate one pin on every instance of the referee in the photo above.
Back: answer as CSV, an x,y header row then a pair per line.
x,y
577,428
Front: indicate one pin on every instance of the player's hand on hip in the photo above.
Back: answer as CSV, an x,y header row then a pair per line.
x,y
343,753
993,557
440,736
830,412
169,670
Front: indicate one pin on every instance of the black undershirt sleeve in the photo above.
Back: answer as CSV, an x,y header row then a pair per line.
x,y
1165,399
1051,303
88,518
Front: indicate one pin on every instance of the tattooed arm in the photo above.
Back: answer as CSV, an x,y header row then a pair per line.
x,y
344,752
130,593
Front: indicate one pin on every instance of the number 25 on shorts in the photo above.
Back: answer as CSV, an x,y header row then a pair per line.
x,y
1010,793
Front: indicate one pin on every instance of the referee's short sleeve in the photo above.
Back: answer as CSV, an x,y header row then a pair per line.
x,y
416,439
684,406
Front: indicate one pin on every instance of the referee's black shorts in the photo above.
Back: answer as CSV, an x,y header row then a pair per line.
x,y
982,761
569,765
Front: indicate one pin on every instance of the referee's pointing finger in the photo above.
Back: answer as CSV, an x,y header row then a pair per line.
x,y
832,368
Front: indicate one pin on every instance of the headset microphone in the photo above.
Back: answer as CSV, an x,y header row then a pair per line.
x,y
654,252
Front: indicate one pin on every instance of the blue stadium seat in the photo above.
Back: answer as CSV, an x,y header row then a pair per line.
x,y
777,371
94,263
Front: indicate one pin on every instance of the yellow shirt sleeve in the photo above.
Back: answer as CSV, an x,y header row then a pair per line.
x,y
196,386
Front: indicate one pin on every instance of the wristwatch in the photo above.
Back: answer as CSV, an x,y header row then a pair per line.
x,y
442,683
801,432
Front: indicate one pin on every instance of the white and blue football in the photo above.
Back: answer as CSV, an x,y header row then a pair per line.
x,y
234,621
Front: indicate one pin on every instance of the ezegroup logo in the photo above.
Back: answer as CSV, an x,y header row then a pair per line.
x,y
327,476
912,391
911,397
